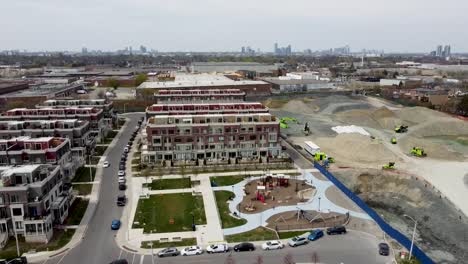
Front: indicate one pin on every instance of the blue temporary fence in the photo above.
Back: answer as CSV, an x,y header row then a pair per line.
x,y
395,234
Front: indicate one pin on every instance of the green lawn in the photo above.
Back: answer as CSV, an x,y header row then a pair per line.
x,y
258,234
59,239
76,211
157,244
83,189
227,220
110,136
284,235
99,150
168,184
227,180
155,213
136,161
82,174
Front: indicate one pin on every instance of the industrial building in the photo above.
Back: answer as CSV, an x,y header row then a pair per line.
x,y
289,84
207,67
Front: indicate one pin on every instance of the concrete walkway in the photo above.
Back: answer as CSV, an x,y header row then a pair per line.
x,y
259,219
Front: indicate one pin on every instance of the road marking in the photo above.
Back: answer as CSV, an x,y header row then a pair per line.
x,y
133,259
142,258
45,261
120,255
61,259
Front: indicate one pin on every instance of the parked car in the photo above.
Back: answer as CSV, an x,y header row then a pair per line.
x,y
126,149
298,241
121,166
115,225
336,230
315,234
168,252
122,180
217,248
273,244
121,200
106,164
121,173
122,186
384,249
190,251
245,246
119,261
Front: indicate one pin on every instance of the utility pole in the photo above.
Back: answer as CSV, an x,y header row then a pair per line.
x,y
90,169
17,243
412,237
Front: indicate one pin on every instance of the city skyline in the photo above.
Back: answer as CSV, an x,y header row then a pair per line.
x,y
209,26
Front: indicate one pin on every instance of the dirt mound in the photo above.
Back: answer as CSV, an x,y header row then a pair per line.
x,y
450,127
419,114
274,103
383,112
356,149
299,107
433,149
378,118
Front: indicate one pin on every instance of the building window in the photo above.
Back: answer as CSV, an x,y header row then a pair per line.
x,y
17,211
18,225
14,198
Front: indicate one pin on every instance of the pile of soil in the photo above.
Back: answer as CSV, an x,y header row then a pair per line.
x,y
356,149
419,115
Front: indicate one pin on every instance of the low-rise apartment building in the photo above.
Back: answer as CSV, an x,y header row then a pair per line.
x,y
42,150
206,108
198,96
32,199
93,115
211,138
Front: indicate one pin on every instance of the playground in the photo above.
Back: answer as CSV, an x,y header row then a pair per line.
x,y
272,191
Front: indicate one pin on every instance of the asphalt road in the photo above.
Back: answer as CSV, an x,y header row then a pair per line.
x,y
99,246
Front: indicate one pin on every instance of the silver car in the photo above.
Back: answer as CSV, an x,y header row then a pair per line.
x,y
298,241
168,252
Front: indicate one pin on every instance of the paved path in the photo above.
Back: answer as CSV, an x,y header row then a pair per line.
x,y
259,219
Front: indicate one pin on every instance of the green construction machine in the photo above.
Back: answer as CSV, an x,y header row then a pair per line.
x,y
418,152
389,166
401,129
393,140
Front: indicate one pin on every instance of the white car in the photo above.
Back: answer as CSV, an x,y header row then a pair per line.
x,y
121,173
106,164
273,244
126,149
122,179
190,251
217,248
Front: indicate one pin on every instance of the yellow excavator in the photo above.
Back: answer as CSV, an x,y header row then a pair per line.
x,y
418,152
393,140
389,166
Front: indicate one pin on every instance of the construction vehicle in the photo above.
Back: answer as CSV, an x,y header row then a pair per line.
x,y
393,140
418,152
320,156
401,129
389,166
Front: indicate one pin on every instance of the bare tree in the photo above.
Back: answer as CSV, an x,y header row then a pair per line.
x,y
288,259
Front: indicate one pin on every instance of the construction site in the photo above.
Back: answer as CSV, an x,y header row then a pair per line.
x,y
401,160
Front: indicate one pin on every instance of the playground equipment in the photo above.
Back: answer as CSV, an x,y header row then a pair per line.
x,y
389,166
418,152
271,181
401,129
393,140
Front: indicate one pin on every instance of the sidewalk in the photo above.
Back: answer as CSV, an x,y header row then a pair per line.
x,y
93,202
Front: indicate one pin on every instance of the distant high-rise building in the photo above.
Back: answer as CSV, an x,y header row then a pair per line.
x,y
276,48
447,51
283,51
142,49
84,50
439,51
243,50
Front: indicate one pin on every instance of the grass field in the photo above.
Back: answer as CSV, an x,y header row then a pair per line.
x,y
227,180
59,239
110,136
157,244
167,184
258,234
99,150
227,220
83,189
154,214
76,211
82,175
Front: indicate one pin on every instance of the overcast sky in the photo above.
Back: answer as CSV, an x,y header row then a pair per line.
x,y
216,25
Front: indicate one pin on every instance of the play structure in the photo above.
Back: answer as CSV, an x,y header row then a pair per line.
x,y
284,121
418,152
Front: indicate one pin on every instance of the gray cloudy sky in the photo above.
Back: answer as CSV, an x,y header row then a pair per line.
x,y
215,25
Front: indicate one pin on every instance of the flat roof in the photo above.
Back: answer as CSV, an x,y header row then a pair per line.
x,y
291,81
10,170
197,80
40,90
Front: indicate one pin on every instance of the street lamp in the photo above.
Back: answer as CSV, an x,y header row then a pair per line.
x,y
90,169
414,232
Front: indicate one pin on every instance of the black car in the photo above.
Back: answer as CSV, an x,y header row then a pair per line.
x,y
122,167
119,261
168,252
122,187
244,247
121,200
336,230
384,249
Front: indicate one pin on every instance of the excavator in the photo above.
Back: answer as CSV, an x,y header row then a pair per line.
x,y
389,166
418,152
401,129
393,140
